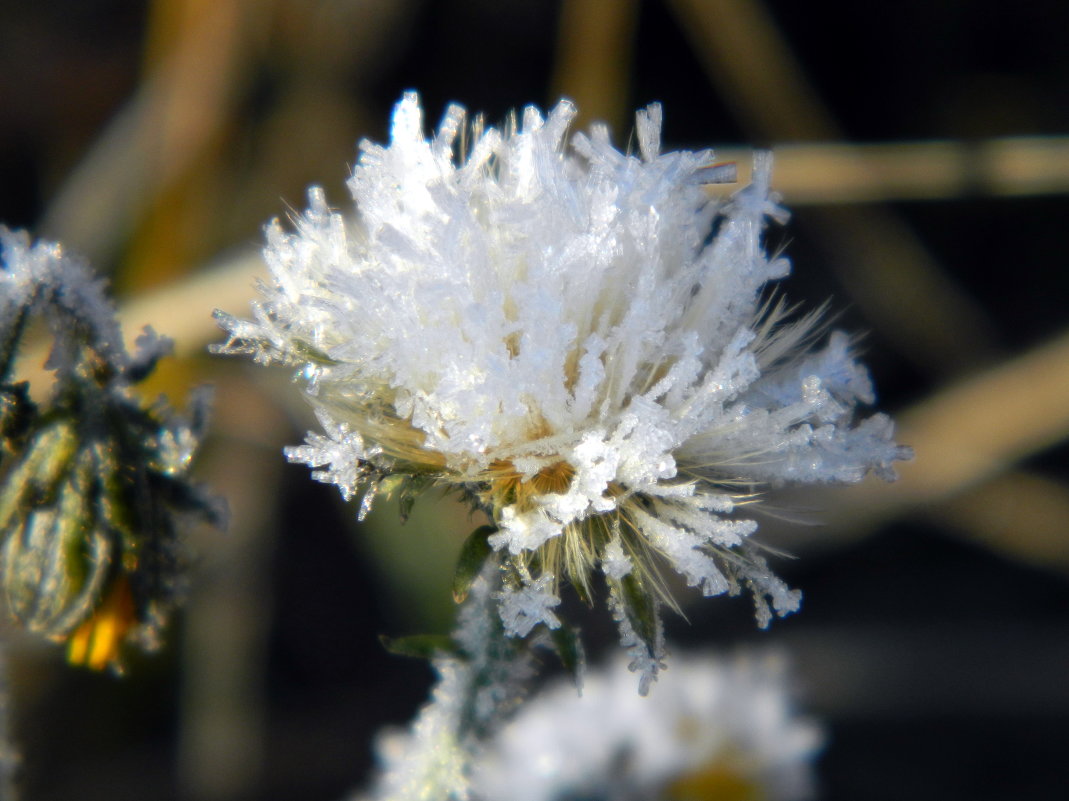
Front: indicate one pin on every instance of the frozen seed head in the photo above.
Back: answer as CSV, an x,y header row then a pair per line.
x,y
578,340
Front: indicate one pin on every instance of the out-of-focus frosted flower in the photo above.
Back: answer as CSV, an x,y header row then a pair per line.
x,y
714,728
93,482
575,339
432,759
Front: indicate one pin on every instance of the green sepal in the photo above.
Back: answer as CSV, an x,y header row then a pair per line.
x,y
406,486
412,488
640,607
473,555
569,650
420,646
307,350
17,415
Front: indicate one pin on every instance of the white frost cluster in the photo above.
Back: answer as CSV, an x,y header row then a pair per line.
x,y
577,339
432,759
714,727
39,278
429,757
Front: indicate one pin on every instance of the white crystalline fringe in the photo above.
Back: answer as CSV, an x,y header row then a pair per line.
x,y
530,305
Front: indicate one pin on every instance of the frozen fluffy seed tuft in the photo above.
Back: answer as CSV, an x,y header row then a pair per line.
x,y
579,341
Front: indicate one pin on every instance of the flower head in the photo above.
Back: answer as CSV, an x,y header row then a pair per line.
x,y
716,728
576,339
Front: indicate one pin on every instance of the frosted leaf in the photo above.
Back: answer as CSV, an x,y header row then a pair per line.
x,y
647,654
42,279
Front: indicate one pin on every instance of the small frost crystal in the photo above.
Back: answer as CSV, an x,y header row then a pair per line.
x,y
577,340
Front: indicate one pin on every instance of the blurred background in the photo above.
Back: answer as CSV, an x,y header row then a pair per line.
x,y
923,147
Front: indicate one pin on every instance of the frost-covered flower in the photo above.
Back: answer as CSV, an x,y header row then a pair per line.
x,y
576,339
713,728
92,482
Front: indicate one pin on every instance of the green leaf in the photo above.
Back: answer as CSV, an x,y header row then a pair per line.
x,y
420,646
473,555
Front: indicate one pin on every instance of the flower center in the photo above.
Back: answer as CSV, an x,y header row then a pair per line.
x,y
508,486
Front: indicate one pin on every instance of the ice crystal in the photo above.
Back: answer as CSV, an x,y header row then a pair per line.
x,y
578,340
525,607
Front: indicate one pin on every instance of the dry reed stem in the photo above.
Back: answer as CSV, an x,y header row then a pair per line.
x,y
593,61
153,140
967,439
1020,515
837,172
880,261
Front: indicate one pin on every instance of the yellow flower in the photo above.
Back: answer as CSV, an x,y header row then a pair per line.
x,y
96,643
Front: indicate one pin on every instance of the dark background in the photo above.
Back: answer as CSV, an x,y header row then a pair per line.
x,y
936,657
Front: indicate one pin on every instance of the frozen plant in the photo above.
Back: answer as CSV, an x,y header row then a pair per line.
x,y
577,340
714,727
93,480
480,675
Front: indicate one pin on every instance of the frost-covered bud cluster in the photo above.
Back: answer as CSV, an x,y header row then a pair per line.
x,y
713,728
579,341
92,483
